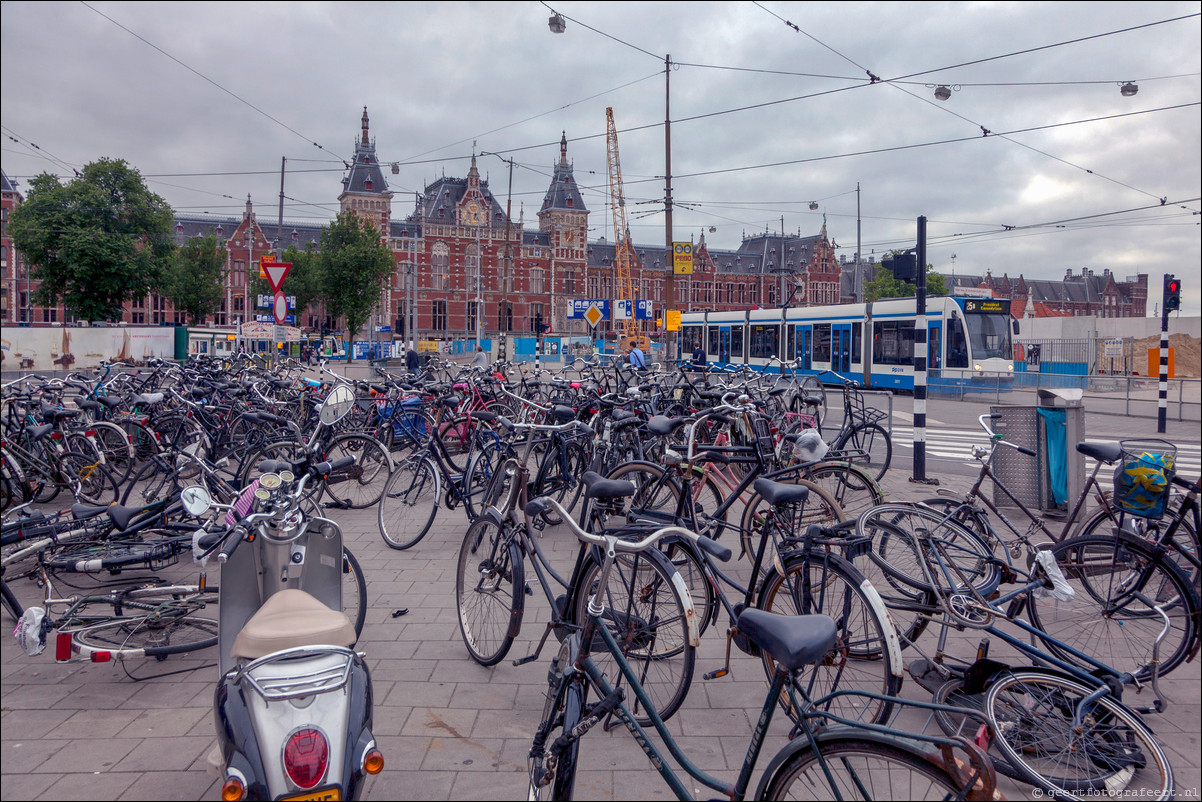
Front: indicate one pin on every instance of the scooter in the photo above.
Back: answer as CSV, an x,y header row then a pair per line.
x,y
293,703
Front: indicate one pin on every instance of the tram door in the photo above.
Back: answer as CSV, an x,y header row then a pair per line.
x,y
841,348
805,345
934,348
724,344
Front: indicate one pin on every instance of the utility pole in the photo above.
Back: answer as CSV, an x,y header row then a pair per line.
x,y
669,256
279,226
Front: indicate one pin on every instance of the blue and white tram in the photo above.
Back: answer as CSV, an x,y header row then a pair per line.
x,y
968,340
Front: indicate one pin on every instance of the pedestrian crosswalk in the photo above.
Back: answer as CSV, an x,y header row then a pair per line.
x,y
945,442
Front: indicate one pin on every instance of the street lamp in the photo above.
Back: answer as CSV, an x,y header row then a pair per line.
x,y
556,23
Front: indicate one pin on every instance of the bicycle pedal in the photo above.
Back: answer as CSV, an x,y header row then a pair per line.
x,y
529,590
521,661
721,672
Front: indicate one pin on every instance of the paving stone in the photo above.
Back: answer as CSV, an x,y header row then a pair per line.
x,y
89,786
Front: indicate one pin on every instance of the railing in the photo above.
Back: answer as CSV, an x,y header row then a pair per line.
x,y
1130,396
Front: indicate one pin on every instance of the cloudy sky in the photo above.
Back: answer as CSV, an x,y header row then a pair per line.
x,y
772,109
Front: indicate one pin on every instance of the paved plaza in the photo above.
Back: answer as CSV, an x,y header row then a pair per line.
x,y
449,729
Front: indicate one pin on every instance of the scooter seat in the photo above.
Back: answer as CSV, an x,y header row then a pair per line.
x,y
289,619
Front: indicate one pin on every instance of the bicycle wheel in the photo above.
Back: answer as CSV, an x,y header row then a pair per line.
x,y
180,431
811,387
411,430
483,465
685,559
1105,619
361,484
152,482
1072,750
354,590
490,591
553,776
158,634
874,447
862,659
819,508
96,484
852,488
117,447
560,479
1184,549
657,493
410,502
952,694
858,769
647,618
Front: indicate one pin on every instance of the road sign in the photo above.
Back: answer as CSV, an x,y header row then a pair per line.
x,y
275,273
280,307
682,258
1113,348
622,310
644,310
578,306
593,316
673,320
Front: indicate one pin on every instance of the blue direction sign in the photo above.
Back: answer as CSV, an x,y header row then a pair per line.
x,y
577,308
268,302
644,310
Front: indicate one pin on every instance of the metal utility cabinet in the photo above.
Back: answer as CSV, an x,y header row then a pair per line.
x,y
1052,480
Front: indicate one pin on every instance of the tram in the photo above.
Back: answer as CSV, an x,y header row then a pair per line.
x,y
968,340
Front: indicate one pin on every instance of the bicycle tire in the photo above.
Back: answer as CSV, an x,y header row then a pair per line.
x,y
118,450
1031,713
152,482
951,693
874,442
1102,570
490,591
561,713
688,563
410,503
657,494
861,769
156,635
561,481
96,483
852,488
862,659
1185,538
11,605
354,584
647,617
481,468
360,485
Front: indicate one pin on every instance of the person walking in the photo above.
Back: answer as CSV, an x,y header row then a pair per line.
x,y
480,360
698,358
412,363
637,360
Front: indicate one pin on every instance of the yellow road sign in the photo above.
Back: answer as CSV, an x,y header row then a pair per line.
x,y
593,315
682,258
673,320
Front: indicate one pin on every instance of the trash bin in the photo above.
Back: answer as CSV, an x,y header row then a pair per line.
x,y
1053,479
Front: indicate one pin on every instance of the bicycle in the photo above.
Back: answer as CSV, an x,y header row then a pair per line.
x,y
847,760
861,436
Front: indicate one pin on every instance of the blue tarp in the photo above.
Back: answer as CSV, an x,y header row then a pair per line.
x,y
1055,427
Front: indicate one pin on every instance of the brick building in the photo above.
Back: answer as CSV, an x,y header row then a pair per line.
x,y
1076,295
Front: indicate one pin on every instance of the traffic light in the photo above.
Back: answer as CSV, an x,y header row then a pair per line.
x,y
1172,293
903,266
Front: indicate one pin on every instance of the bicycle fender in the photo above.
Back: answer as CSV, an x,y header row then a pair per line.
x,y
892,641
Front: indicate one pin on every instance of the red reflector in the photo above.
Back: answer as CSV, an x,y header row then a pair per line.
x,y
983,738
90,433
101,657
62,647
56,435
305,757
130,438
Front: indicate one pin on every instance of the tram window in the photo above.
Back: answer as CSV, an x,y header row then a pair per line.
x,y
822,343
857,345
713,341
933,348
893,343
791,333
736,343
690,338
765,341
957,346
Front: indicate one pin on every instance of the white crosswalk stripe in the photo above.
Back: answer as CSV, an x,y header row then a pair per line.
x,y
956,444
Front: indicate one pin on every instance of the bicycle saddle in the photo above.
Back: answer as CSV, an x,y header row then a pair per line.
x,y
662,425
598,487
779,493
563,414
1102,452
793,641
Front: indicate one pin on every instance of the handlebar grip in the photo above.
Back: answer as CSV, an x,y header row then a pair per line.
x,y
227,552
1026,451
507,423
714,548
209,540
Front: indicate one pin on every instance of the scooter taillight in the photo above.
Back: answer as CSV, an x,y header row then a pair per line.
x,y
306,756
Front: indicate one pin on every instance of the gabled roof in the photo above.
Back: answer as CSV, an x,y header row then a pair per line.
x,y
441,198
563,192
365,175
185,227
6,184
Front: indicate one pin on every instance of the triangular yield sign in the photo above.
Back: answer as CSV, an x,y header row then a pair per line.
x,y
276,271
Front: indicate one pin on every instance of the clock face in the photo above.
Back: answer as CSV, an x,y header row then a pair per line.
x,y
568,236
473,213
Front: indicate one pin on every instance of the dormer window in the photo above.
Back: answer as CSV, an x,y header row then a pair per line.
x,y
570,202
295,235
367,184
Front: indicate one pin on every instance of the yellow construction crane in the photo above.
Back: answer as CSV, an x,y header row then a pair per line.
x,y
624,288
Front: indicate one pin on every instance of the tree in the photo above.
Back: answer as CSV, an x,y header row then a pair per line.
x,y
354,263
195,278
884,285
303,281
93,243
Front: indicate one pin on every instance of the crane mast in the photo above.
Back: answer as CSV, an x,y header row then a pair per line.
x,y
624,288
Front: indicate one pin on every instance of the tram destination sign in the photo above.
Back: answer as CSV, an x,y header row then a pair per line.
x,y
986,306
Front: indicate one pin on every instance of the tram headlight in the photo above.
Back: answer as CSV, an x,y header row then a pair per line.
x,y
1010,367
977,367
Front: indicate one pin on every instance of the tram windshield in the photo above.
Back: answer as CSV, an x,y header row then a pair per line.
x,y
990,336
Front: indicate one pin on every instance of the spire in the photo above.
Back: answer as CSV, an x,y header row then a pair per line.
x,y
365,139
249,208
563,150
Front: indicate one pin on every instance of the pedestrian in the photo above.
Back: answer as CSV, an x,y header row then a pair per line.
x,y
480,360
637,360
411,361
698,357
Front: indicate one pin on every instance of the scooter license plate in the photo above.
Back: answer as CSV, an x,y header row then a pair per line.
x,y
331,793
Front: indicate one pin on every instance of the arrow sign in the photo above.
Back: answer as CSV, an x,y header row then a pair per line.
x,y
276,271
281,305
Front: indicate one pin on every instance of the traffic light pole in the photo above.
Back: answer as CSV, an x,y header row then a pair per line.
x,y
1163,406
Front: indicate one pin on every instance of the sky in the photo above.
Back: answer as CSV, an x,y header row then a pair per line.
x,y
1035,165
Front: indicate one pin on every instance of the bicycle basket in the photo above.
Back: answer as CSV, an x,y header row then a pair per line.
x,y
1143,477
763,439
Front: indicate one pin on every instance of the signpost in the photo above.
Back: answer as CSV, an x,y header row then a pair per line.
x,y
682,258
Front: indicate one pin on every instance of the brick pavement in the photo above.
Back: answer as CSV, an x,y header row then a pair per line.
x,y
449,729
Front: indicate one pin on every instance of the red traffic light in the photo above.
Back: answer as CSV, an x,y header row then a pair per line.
x,y
1174,286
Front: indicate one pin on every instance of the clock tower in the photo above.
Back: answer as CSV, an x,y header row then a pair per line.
x,y
563,220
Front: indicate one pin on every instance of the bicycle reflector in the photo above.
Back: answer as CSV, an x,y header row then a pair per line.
x,y
62,647
306,756
233,790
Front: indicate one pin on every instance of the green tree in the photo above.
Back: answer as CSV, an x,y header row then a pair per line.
x,y
95,242
195,279
884,285
303,281
354,263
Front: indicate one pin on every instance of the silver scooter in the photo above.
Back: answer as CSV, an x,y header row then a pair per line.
x,y
293,704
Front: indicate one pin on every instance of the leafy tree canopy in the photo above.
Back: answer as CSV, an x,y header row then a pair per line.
x,y
195,279
884,285
95,242
354,263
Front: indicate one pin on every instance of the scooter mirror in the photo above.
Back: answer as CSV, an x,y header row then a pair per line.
x,y
337,404
196,500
